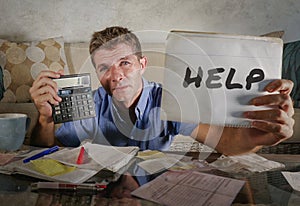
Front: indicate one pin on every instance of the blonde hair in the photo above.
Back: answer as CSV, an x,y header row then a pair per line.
x,y
110,37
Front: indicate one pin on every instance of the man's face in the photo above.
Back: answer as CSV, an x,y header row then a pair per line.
x,y
120,72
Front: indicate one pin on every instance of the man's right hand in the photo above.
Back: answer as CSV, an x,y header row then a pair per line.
x,y
44,92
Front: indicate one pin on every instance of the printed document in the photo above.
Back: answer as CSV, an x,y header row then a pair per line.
x,y
190,188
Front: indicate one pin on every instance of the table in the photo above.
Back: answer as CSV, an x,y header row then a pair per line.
x,y
266,188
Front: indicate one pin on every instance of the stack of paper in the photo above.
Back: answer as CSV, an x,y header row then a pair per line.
x,y
97,157
155,161
244,164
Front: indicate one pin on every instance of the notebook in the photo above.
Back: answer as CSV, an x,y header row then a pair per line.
x,y
210,78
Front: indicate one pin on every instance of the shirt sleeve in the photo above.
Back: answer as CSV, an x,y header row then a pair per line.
x,y
71,134
67,135
186,129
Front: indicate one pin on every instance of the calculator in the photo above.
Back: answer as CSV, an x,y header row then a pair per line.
x,y
77,98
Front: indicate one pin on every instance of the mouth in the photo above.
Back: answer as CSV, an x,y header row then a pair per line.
x,y
120,88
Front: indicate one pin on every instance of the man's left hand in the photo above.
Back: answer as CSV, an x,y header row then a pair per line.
x,y
275,124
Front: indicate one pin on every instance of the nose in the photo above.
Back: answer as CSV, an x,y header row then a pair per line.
x,y
116,73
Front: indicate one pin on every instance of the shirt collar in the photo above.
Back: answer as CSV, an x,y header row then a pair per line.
x,y
141,105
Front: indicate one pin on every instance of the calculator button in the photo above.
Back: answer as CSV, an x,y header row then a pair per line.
x,y
76,104
75,115
58,118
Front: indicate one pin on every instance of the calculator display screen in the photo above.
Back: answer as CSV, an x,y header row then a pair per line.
x,y
73,81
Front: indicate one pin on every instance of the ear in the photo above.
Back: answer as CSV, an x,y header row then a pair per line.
x,y
143,62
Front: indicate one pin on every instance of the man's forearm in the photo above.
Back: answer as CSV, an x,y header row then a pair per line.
x,y
226,140
43,133
235,141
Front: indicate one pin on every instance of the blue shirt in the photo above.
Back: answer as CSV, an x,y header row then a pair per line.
x,y
110,128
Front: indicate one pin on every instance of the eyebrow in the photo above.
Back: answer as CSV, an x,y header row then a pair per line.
x,y
122,58
126,57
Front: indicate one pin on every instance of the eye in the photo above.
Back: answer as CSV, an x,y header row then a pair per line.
x,y
124,63
102,69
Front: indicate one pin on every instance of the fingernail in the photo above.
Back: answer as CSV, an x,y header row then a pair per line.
x,y
254,123
255,101
248,114
271,88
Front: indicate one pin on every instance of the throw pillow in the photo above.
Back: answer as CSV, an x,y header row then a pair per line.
x,y
278,34
22,62
1,83
291,68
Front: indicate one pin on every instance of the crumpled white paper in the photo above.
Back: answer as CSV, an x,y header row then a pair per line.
x,y
245,163
293,179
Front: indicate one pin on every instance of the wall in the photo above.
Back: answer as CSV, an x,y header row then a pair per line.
x,y
76,20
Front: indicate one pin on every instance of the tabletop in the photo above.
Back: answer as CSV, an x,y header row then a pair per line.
x,y
264,188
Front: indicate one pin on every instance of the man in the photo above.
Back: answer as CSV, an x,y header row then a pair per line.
x,y
127,107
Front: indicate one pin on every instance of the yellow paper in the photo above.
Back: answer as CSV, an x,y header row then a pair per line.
x,y
51,167
150,154
184,167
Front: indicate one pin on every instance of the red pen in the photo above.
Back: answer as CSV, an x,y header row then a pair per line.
x,y
80,156
67,186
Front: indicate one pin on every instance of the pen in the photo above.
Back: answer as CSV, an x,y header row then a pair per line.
x,y
67,186
41,154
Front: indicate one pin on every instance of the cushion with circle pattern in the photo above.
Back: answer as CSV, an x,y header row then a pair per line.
x,y
22,62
